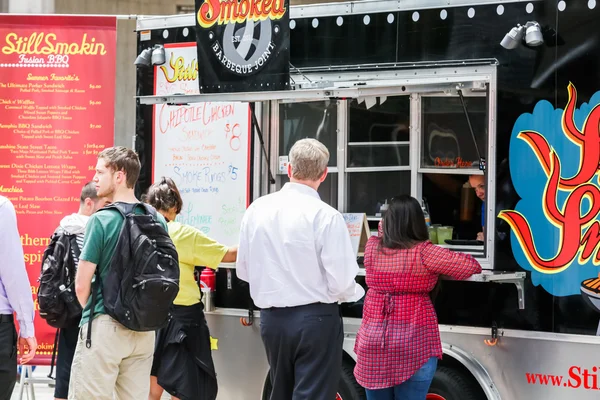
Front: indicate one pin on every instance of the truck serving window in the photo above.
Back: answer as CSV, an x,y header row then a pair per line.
x,y
447,141
377,153
318,120
453,188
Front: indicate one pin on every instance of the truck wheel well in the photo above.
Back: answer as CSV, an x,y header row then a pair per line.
x,y
447,361
347,359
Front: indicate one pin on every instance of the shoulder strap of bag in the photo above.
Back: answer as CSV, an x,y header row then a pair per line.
x,y
149,209
75,246
117,206
127,208
54,350
95,287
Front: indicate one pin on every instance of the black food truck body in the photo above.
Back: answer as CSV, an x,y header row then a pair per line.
x,y
414,97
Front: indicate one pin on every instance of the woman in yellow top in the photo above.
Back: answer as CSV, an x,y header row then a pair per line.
x,y
183,364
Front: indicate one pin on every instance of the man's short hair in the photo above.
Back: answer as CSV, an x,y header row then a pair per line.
x,y
309,159
121,158
89,192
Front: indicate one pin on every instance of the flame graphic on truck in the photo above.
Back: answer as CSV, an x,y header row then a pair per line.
x,y
555,226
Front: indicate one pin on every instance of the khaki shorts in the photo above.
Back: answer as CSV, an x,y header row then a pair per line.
x,y
119,362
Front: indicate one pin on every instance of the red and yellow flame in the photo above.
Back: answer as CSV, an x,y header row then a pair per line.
x,y
568,219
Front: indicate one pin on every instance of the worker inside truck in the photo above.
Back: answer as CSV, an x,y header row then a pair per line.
x,y
477,182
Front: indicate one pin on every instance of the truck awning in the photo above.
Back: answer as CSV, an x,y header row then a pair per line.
x,y
307,94
355,82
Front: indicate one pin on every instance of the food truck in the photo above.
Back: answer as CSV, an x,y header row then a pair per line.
x,y
410,97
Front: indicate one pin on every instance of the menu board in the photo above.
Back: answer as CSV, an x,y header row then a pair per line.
x,y
358,227
57,90
203,147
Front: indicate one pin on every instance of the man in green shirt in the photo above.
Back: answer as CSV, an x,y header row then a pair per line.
x,y
119,360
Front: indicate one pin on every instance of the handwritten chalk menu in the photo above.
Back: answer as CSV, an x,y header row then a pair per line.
x,y
358,227
203,147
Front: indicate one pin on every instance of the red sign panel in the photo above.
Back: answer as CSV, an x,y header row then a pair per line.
x,y
57,90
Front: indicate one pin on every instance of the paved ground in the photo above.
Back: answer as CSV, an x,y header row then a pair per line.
x,y
42,391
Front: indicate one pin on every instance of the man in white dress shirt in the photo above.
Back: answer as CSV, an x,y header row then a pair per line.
x,y
15,296
296,254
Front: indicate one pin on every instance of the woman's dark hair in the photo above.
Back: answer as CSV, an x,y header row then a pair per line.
x,y
403,224
164,195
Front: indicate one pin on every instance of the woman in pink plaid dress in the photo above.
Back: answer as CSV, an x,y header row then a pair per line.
x,y
398,343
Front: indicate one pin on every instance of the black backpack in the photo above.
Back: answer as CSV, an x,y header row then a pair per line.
x,y
143,276
56,294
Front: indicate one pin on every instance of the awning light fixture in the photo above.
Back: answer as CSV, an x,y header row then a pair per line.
x,y
531,32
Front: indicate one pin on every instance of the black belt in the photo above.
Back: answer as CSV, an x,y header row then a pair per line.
x,y
300,306
6,318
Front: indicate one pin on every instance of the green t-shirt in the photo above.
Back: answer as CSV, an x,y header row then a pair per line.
x,y
101,236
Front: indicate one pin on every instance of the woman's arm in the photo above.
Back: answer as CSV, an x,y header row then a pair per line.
x,y
231,255
441,261
195,248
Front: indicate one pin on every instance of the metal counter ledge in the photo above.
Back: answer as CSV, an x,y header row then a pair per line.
x,y
515,278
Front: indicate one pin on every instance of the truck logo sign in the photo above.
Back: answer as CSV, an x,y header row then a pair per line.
x,y
177,69
231,11
242,39
235,52
554,157
245,45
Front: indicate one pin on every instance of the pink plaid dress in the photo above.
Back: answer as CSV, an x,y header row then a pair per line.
x,y
399,330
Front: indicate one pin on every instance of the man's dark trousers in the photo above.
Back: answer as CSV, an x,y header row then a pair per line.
x,y
8,356
304,349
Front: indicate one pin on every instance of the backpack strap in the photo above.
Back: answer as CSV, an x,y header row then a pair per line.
x,y
75,247
117,206
54,351
149,209
95,287
127,208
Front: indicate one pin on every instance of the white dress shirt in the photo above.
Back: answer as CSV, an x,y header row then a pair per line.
x,y
295,250
15,290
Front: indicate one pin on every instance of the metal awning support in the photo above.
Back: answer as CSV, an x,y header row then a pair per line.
x,y
516,278
359,90
243,96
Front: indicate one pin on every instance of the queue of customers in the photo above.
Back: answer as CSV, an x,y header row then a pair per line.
x,y
295,253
